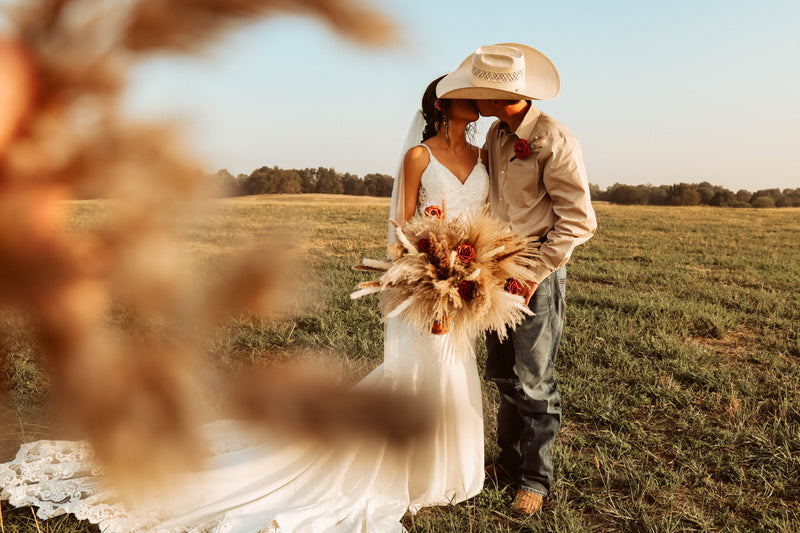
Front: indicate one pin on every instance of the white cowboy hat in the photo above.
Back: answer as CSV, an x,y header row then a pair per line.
x,y
506,71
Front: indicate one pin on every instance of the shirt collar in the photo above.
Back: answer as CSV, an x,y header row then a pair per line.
x,y
525,128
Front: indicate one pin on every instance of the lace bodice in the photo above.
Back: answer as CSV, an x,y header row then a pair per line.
x,y
439,186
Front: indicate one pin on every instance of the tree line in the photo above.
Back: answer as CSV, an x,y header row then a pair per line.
x,y
695,194
275,180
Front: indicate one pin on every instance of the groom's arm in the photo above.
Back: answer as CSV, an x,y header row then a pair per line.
x,y
565,180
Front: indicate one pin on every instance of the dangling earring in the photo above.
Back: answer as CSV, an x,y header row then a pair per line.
x,y
446,126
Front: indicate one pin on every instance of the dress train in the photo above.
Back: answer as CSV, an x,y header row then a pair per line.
x,y
259,485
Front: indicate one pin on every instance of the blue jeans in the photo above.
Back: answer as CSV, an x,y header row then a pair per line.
x,y
530,407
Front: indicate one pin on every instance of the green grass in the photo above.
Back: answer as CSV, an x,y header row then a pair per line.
x,y
679,367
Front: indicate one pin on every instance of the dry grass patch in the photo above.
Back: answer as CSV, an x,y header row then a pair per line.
x,y
735,344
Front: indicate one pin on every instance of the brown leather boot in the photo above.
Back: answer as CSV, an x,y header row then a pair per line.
x,y
526,503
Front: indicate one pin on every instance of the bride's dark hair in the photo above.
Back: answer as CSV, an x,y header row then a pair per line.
x,y
435,118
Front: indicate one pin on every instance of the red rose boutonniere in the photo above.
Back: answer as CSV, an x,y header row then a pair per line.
x,y
522,149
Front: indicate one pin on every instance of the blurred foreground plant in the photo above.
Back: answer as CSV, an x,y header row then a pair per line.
x,y
62,135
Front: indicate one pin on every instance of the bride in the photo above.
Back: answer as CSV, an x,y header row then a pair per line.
x,y
252,485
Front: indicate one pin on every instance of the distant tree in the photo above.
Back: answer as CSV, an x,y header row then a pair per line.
x,y
594,192
378,185
683,194
224,176
288,182
610,190
743,195
775,194
275,180
762,201
227,182
308,179
260,181
695,194
628,195
657,195
789,198
352,185
597,194
328,182
241,179
723,198
706,191
370,185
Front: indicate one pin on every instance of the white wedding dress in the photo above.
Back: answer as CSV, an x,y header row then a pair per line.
x,y
253,486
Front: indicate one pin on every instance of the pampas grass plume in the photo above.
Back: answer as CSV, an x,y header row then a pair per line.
x,y
63,136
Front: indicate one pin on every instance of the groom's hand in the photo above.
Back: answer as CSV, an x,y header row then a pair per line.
x,y
530,288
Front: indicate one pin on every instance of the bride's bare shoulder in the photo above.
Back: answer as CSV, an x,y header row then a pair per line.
x,y
417,157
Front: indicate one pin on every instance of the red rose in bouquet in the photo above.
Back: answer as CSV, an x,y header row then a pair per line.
x,y
434,211
424,245
514,287
466,289
465,253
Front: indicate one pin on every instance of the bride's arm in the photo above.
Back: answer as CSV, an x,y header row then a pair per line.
x,y
414,164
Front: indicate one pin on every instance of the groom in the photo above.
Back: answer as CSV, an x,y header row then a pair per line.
x,y
539,186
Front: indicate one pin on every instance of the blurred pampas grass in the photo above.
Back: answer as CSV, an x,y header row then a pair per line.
x,y
133,395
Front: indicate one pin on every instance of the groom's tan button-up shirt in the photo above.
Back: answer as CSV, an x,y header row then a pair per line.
x,y
545,194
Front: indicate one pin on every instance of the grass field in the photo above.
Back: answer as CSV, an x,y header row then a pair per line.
x,y
679,369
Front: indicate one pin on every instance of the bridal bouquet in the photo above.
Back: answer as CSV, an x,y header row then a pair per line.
x,y
464,274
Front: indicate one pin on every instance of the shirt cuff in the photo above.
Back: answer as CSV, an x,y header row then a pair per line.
x,y
540,272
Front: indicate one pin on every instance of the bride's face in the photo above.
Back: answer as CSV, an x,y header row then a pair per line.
x,y
464,110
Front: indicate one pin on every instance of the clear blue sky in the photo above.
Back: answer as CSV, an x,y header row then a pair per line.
x,y
656,91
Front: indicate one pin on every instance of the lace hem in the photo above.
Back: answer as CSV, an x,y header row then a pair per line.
x,y
62,477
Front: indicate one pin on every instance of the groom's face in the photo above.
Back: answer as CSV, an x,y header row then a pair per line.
x,y
502,109
493,108
486,107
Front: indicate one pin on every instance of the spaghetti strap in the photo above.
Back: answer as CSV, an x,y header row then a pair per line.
x,y
477,159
